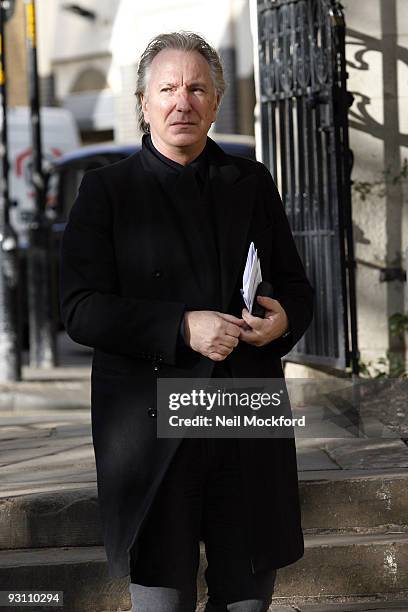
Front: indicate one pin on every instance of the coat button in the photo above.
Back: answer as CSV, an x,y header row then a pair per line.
x,y
152,412
157,274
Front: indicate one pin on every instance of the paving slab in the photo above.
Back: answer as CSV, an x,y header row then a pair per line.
x,y
310,457
368,453
55,436
41,420
28,396
49,459
14,456
383,400
323,423
47,477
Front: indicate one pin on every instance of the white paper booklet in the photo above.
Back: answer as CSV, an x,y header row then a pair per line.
x,y
251,278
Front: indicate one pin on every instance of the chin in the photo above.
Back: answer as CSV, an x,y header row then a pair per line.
x,y
185,140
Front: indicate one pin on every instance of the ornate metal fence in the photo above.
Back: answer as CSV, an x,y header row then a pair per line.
x,y
304,142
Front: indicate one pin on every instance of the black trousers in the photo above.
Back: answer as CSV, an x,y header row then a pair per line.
x,y
200,498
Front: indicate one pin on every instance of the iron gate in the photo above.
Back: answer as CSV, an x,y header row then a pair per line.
x,y
304,141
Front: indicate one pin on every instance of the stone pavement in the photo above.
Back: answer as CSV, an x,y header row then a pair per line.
x,y
353,491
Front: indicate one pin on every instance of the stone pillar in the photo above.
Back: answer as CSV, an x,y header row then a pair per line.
x,y
125,121
227,118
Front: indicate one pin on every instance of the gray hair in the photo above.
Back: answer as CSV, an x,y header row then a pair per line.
x,y
184,41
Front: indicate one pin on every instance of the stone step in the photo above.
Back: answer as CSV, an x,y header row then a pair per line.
x,y
61,518
373,606
354,499
346,502
346,567
81,573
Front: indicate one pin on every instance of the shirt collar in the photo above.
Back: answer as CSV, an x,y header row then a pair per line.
x,y
199,164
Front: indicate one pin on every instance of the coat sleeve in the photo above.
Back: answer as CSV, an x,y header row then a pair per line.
x,y
92,309
291,286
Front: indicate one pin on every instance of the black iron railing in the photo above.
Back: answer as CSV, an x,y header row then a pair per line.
x,y
303,112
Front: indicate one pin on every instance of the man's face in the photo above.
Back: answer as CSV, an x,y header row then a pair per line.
x,y
180,102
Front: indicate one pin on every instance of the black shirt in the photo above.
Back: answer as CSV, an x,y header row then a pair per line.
x,y
170,170
194,179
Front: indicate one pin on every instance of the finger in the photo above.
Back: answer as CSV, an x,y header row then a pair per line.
x,y
229,341
233,330
220,347
274,317
230,318
267,300
224,350
250,337
254,322
216,356
269,303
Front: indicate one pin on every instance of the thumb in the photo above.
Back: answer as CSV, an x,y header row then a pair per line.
x,y
267,302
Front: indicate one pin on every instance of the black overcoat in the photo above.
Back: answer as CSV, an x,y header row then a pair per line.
x,y
131,263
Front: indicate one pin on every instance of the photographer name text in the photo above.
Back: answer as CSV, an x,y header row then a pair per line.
x,y
236,421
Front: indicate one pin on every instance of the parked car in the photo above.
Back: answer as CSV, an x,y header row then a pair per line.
x,y
67,171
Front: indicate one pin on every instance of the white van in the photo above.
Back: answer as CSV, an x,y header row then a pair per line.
x,y
59,136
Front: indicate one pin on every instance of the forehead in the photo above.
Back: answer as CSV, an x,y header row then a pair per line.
x,y
175,65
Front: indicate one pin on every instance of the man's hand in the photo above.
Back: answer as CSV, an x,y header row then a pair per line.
x,y
213,334
259,332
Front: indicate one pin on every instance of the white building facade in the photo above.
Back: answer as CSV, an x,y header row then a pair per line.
x,y
93,57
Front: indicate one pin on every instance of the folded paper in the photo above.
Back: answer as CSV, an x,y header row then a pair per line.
x,y
251,278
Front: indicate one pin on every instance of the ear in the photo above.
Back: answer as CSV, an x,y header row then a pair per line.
x,y
217,101
143,103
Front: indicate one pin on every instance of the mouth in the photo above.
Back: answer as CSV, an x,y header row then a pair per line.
x,y
182,123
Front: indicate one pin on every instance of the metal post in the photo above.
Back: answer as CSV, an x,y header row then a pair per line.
x,y
10,339
344,101
41,316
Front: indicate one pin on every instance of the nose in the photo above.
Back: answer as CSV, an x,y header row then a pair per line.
x,y
183,102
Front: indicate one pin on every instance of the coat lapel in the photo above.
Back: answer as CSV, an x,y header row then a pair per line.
x,y
233,197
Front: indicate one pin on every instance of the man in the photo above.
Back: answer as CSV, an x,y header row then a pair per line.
x,y
151,265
